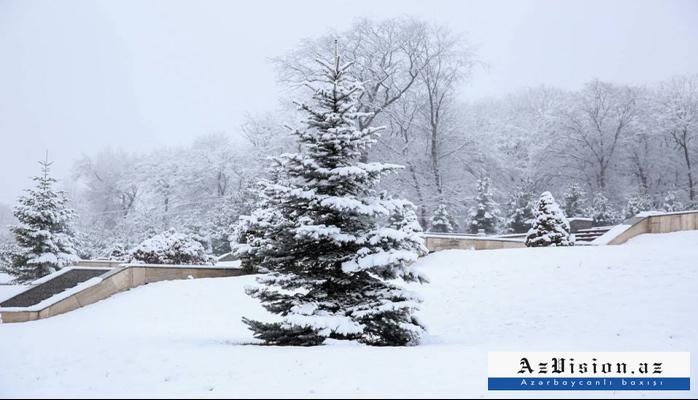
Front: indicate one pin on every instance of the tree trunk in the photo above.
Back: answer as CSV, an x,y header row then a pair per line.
x,y
687,158
420,196
435,168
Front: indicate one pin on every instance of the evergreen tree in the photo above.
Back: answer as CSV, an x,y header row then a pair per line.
x,y
225,217
485,214
672,203
574,201
520,209
441,221
403,218
44,235
251,235
637,203
550,227
601,211
332,257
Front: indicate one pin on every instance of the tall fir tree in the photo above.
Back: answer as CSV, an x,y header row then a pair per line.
x,y
44,234
485,214
332,256
520,209
574,201
441,220
550,227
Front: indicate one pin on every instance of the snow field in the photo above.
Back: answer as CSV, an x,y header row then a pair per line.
x,y
185,338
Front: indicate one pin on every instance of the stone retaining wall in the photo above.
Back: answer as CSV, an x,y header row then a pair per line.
x,y
660,223
119,280
447,242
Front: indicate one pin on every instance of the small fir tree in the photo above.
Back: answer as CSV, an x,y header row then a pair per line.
x,y
404,219
574,201
550,227
221,226
44,234
332,257
441,221
520,209
485,214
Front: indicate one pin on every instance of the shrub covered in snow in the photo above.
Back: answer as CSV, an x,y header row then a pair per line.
x,y
602,211
672,203
550,227
170,247
117,252
637,203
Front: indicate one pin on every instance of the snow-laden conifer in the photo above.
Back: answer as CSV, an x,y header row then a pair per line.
x,y
485,214
520,209
441,220
44,236
574,201
550,227
331,247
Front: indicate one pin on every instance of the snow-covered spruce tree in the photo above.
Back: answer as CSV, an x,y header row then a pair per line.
x,y
330,261
251,240
550,227
672,203
224,219
574,201
601,211
520,209
441,221
7,251
485,214
403,218
637,203
44,235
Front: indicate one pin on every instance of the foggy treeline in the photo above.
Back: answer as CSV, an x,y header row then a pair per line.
x,y
627,143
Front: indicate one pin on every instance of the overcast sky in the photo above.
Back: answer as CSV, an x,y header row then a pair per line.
x,y
78,76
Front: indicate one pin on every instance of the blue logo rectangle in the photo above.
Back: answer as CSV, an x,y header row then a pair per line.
x,y
531,383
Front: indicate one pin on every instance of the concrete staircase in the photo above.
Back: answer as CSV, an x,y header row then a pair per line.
x,y
590,234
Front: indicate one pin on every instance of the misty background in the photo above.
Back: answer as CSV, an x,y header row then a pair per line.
x,y
78,76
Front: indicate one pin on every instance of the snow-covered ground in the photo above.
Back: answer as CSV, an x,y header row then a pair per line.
x,y
185,338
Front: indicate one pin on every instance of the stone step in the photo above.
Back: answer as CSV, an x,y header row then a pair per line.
x,y
51,287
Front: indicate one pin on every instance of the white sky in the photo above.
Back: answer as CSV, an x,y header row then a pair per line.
x,y
77,76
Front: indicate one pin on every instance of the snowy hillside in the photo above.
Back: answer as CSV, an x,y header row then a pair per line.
x,y
184,338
